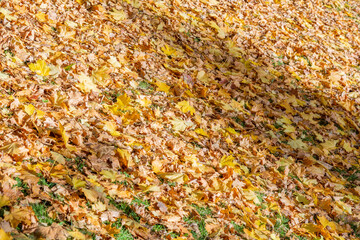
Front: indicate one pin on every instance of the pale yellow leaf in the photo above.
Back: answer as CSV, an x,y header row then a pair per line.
x,y
77,183
118,15
58,157
297,144
109,174
7,14
110,126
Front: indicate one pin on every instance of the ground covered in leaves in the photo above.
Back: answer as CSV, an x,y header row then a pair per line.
x,y
179,119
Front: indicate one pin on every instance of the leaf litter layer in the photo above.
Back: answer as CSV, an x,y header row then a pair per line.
x,y
180,119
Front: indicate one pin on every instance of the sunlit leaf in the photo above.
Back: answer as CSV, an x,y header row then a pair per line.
x,y
40,68
185,107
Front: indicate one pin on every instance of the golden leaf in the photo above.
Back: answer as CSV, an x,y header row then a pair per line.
x,y
180,125
29,109
169,51
297,144
41,17
77,235
4,235
12,148
149,188
40,68
86,84
19,215
4,201
77,183
118,15
101,75
6,14
161,86
109,175
110,126
202,132
58,157
329,145
185,107
91,195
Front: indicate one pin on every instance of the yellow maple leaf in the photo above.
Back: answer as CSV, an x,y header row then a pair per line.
x,y
6,14
118,15
298,144
123,101
230,162
4,235
42,17
202,132
77,235
329,145
57,157
102,76
130,117
12,148
185,107
4,201
29,109
289,129
40,68
86,84
180,125
77,183
161,86
347,147
231,130
125,157
90,194
145,102
111,128
109,175
169,51
65,138
19,215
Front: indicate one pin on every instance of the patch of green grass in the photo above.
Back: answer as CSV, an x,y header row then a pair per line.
x,y
203,233
88,233
117,224
24,186
281,225
145,85
43,182
40,210
203,211
174,235
2,211
140,202
158,228
124,234
123,206
260,196
238,228
79,164
297,237
68,67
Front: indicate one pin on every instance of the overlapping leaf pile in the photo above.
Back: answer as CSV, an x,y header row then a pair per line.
x,y
182,119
